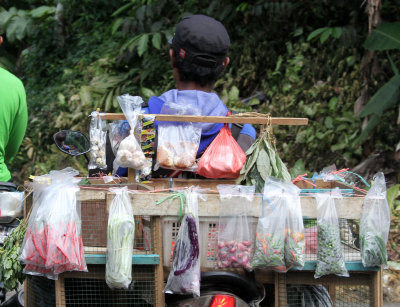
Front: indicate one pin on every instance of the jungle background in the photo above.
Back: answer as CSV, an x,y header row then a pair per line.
x,y
335,62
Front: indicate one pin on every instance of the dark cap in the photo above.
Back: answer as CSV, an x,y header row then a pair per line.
x,y
202,40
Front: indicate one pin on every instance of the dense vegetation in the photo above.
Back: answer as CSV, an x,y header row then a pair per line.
x,y
294,58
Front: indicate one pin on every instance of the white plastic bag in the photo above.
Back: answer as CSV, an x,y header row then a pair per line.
x,y
375,224
53,242
184,276
330,258
98,137
11,205
129,153
235,237
120,237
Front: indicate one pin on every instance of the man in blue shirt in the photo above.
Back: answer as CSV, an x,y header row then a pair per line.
x,y
198,56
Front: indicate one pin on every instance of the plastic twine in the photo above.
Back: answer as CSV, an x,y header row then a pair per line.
x,y
182,197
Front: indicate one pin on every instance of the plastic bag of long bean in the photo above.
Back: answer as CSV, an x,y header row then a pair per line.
x,y
330,258
375,224
270,233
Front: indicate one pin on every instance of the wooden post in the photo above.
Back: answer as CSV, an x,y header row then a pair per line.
x,y
60,292
280,290
376,289
159,272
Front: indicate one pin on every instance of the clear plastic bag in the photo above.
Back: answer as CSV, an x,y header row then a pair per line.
x,y
375,224
98,137
129,153
330,258
53,242
120,237
295,235
223,158
235,237
117,131
178,142
184,276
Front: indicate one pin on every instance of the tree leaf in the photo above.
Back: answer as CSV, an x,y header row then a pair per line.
x,y
385,37
315,33
156,40
386,97
116,24
142,44
41,11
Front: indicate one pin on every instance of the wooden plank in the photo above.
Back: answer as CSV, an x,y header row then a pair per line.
x,y
146,204
140,259
307,278
263,120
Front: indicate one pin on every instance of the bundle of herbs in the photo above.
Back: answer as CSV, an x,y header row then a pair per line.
x,y
10,266
262,161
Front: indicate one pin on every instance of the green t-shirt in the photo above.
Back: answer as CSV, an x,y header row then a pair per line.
x,y
13,119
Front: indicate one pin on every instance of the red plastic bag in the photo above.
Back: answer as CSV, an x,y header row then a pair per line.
x,y
223,158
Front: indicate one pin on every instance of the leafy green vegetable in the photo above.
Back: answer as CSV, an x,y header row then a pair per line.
x,y
262,161
10,266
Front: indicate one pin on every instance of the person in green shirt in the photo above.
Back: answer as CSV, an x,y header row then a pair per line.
x,y
13,119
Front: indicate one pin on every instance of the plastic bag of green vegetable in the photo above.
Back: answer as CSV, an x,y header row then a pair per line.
x,y
120,237
234,234
184,276
329,252
375,224
270,234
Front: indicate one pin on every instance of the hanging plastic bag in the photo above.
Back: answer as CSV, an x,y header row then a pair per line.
x,y
178,142
129,153
235,237
120,237
223,158
117,131
270,234
53,242
98,135
375,224
295,235
329,251
184,276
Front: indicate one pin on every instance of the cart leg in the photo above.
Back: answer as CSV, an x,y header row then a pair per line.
x,y
377,292
60,292
159,274
280,290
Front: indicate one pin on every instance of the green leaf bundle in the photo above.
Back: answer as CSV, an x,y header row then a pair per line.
x,y
262,161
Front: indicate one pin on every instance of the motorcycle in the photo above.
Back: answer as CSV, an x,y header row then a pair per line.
x,y
218,288
10,213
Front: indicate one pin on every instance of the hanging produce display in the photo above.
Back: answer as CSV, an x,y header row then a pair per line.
x,y
262,161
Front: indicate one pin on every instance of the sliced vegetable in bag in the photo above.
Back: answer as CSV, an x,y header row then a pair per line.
x,y
129,153
329,251
178,142
375,224
120,237
235,236
270,235
223,158
184,276
53,242
98,137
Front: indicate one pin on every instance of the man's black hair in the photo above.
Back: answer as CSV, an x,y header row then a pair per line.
x,y
204,76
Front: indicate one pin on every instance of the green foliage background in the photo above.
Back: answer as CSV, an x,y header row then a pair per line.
x,y
75,56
